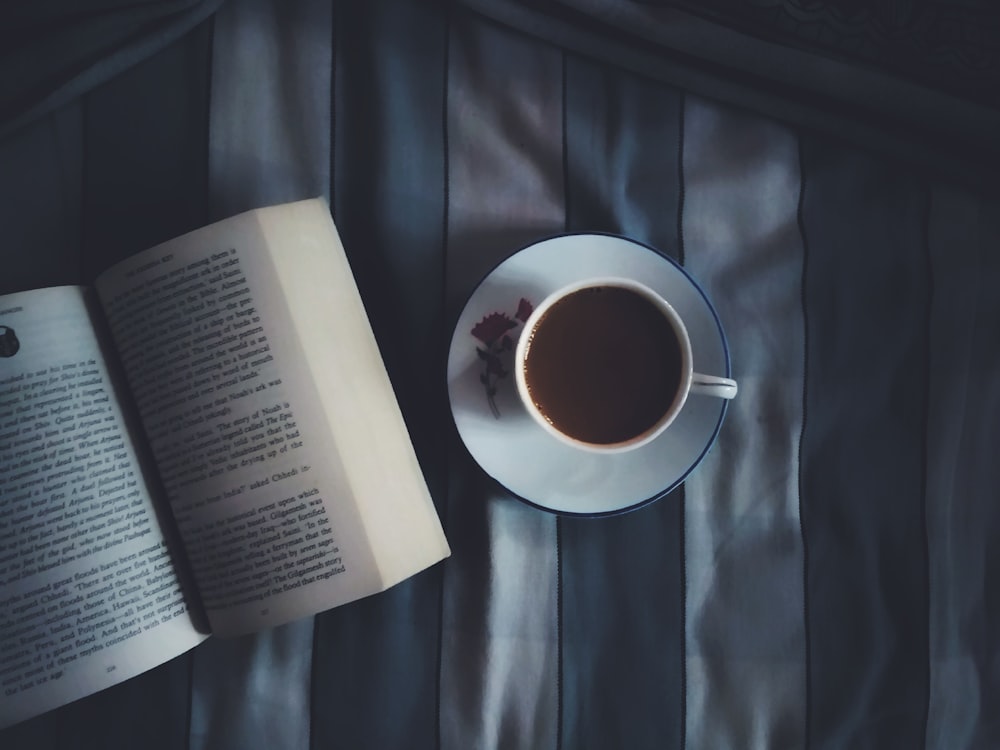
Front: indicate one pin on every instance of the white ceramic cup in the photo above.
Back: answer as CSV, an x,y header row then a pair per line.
x,y
690,382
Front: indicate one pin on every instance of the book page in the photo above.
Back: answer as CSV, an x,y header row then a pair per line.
x,y
229,409
354,388
88,592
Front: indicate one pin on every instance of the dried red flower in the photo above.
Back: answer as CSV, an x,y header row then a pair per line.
x,y
492,332
492,327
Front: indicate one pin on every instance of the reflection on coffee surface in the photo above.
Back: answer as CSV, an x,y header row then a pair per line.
x,y
603,365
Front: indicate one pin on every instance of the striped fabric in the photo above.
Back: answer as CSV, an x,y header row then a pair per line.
x,y
828,578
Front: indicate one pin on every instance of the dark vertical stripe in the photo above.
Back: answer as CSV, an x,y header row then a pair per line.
x,y
375,659
334,55
567,198
976,493
682,498
962,510
83,216
928,269
315,696
622,576
559,634
802,437
41,184
206,142
682,548
145,170
862,454
560,656
443,298
680,177
189,712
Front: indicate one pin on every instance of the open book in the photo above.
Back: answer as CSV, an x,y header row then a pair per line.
x,y
223,390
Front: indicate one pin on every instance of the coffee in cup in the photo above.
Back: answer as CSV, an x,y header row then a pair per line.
x,y
605,365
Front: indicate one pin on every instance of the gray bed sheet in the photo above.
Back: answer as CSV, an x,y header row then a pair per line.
x,y
827,578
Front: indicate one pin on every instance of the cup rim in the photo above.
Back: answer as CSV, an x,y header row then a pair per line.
x,y
683,388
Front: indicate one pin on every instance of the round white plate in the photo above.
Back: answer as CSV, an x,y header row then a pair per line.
x,y
507,443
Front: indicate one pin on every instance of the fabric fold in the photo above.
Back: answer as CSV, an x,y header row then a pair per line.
x,y
716,56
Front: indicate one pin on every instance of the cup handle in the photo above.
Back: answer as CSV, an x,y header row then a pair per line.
x,y
710,385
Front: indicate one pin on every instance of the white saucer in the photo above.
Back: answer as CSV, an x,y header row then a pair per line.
x,y
513,449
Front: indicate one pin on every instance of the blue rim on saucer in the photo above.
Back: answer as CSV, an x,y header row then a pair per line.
x,y
510,446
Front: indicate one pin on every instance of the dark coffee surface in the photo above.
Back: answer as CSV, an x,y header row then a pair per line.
x,y
603,365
